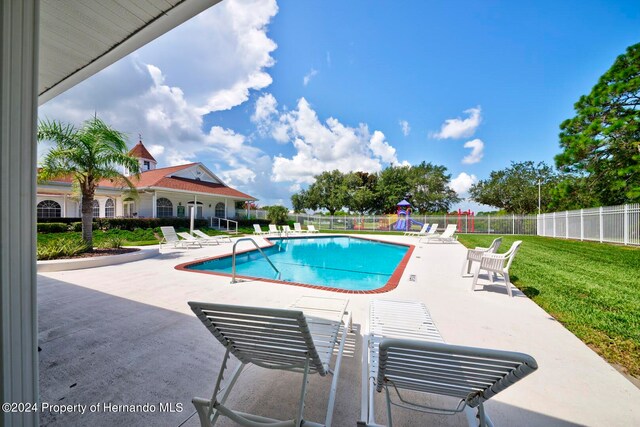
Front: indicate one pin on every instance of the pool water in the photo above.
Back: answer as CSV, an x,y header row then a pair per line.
x,y
333,261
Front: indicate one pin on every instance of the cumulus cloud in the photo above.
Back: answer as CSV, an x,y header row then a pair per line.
x,y
477,151
265,110
307,78
405,127
327,146
462,183
458,127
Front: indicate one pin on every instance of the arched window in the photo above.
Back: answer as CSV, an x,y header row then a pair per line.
x,y
96,209
109,209
220,210
164,208
49,209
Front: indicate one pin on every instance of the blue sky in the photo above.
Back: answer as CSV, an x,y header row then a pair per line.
x,y
268,94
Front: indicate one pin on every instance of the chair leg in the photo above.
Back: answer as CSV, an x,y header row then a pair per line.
x,y
507,282
475,279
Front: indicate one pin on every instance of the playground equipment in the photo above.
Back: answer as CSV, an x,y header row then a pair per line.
x,y
405,221
470,228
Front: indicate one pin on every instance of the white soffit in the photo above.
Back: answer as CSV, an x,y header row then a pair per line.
x,y
78,38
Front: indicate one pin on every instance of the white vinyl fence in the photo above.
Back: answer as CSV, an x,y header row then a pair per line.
x,y
492,224
612,224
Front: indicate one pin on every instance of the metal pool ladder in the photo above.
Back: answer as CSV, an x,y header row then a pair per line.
x,y
233,258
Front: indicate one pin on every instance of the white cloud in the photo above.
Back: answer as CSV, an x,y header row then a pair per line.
x,y
462,183
155,150
265,110
321,147
382,149
460,128
406,129
307,78
477,151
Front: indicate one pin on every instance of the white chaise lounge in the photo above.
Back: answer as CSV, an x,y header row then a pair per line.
x,y
422,231
258,231
447,236
206,239
170,237
403,351
301,339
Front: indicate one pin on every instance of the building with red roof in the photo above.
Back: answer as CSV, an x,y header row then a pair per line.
x,y
161,192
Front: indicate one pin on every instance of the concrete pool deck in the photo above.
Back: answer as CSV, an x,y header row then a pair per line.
x,y
123,334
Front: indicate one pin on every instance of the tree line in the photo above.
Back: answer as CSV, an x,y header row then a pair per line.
x,y
425,185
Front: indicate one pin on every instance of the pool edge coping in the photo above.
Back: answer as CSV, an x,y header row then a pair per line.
x,y
391,284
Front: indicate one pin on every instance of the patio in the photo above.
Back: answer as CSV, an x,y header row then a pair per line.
x,y
124,334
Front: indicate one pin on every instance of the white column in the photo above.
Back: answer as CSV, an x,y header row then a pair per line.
x,y
154,205
601,224
64,206
226,213
566,224
18,306
581,224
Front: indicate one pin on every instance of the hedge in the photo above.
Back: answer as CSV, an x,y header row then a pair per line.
x,y
133,223
53,227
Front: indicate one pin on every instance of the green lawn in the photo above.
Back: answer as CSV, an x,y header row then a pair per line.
x,y
592,288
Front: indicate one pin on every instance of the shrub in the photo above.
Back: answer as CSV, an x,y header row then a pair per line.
x,y
62,247
75,226
112,242
133,223
277,214
52,227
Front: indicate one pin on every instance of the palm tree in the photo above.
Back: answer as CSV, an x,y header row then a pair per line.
x,y
87,154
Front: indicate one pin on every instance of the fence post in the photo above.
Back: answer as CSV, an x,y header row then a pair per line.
x,y
566,224
601,225
513,223
554,224
331,223
544,224
626,224
581,225
489,224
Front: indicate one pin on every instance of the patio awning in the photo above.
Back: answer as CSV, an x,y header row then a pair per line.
x,y
78,38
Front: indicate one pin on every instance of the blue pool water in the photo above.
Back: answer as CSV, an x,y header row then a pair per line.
x,y
337,262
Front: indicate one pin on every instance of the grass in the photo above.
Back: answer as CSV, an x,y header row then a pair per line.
x,y
592,288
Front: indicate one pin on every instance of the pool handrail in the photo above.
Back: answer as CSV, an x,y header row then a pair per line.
x,y
233,258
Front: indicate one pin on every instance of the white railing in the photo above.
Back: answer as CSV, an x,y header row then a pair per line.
x,y
492,224
612,224
231,225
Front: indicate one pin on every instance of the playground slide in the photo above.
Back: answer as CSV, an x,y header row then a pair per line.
x,y
418,223
401,225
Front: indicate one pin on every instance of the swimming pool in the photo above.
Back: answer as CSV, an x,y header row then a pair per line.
x,y
342,263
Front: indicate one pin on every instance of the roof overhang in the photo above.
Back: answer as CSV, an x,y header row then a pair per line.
x,y
78,38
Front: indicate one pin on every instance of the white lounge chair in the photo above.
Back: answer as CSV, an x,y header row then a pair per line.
x,y
497,264
312,229
258,231
189,240
273,229
170,237
476,255
446,236
404,351
286,230
206,239
301,339
422,231
298,228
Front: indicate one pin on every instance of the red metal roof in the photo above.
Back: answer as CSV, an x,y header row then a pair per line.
x,y
141,152
161,178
